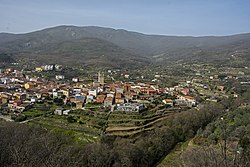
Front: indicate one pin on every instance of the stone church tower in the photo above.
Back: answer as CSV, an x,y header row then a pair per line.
x,y
101,78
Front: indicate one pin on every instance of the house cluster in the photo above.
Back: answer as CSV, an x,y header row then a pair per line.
x,y
129,96
18,91
49,67
113,94
181,96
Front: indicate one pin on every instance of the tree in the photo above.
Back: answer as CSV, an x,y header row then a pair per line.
x,y
71,119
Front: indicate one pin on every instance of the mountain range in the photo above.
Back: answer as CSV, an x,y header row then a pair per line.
x,y
107,47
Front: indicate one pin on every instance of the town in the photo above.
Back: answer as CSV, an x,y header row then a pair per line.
x,y
22,92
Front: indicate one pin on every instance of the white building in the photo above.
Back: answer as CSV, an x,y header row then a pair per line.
x,y
59,77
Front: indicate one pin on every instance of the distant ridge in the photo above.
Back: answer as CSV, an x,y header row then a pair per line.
x,y
120,47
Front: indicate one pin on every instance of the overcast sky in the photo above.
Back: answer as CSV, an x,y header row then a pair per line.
x,y
168,17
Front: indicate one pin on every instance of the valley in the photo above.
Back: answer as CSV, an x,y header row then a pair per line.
x,y
93,96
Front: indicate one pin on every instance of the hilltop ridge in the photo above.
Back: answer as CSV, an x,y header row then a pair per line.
x,y
91,43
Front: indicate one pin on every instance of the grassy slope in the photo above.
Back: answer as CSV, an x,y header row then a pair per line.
x,y
173,158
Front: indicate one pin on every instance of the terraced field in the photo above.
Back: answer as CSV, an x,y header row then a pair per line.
x,y
128,124
90,126
82,133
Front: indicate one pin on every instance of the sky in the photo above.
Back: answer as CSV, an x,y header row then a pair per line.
x,y
165,17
